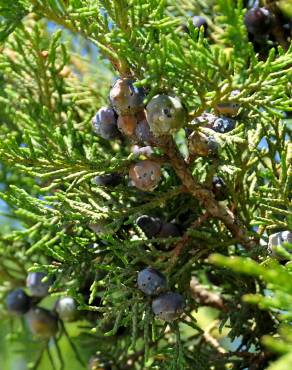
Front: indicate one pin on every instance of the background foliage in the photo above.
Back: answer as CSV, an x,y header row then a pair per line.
x,y
58,60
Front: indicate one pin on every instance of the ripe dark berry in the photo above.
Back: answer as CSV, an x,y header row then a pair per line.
x,y
94,247
108,179
286,237
219,188
66,309
287,26
223,125
42,323
202,145
143,133
151,281
145,175
104,124
18,302
127,124
228,108
125,97
277,240
199,22
258,21
165,114
168,306
168,230
36,285
150,225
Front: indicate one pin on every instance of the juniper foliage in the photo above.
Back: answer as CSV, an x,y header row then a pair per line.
x,y
58,61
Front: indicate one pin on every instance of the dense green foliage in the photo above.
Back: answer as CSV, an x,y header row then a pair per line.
x,y
57,63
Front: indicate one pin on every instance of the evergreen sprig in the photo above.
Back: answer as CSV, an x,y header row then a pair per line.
x,y
56,68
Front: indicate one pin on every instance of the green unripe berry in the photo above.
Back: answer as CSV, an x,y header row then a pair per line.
x,y
165,115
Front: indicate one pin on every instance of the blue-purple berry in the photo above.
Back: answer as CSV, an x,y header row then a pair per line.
x,y
168,306
36,285
108,179
219,188
168,230
258,21
104,123
151,281
66,309
205,119
199,22
150,225
143,133
223,125
213,145
18,302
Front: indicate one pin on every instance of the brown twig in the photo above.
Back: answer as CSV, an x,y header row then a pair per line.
x,y
255,359
203,195
207,336
186,237
206,297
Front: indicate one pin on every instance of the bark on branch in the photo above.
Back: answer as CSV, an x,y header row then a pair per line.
x,y
204,196
205,297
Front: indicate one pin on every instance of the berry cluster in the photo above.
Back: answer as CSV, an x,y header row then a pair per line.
x,y
267,26
163,115
127,116
167,306
42,323
154,227
204,144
